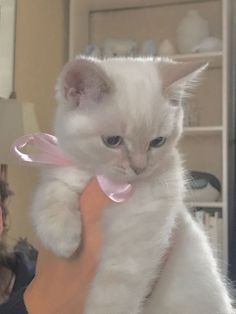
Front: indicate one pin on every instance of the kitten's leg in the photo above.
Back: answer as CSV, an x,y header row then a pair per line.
x,y
189,282
129,261
56,215
117,290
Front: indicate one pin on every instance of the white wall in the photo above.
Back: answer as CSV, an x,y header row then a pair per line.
x,y
40,54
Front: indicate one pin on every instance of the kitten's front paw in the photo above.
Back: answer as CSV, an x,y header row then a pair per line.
x,y
66,245
62,233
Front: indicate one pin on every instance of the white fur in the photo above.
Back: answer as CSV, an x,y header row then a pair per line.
x,y
128,100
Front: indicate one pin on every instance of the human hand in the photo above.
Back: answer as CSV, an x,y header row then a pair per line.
x,y
61,285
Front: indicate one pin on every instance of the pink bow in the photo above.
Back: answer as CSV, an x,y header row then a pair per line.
x,y
48,152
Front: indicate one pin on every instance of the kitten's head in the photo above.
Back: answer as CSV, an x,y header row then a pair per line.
x,y
122,117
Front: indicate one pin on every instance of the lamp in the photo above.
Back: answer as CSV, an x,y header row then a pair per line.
x,y
16,120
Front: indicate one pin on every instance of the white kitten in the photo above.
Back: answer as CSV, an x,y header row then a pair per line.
x,y
123,118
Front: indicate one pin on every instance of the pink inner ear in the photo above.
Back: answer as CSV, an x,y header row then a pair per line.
x,y
83,78
74,82
72,95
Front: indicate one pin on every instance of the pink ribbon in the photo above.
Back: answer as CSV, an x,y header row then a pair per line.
x,y
48,152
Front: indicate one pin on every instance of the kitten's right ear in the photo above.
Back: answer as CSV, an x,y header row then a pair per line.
x,y
82,79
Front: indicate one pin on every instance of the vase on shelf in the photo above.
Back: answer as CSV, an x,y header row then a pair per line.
x,y
192,30
209,44
148,48
166,48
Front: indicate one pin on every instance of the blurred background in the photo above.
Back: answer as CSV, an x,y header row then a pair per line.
x,y
38,37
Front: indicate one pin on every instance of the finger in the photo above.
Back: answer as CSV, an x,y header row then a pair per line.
x,y
93,200
45,257
46,260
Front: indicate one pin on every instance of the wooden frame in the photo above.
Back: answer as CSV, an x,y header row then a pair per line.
x,y
7,46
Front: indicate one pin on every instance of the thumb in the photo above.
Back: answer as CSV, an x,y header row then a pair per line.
x,y
92,202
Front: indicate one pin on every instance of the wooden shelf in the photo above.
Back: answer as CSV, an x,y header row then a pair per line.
x,y
213,58
205,204
203,130
120,5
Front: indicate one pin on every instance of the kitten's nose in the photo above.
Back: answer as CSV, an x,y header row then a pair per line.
x,y
138,170
139,163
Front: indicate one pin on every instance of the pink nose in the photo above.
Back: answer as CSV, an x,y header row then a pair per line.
x,y
139,163
138,170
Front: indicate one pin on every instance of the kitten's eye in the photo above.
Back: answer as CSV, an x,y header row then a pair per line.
x,y
157,142
112,141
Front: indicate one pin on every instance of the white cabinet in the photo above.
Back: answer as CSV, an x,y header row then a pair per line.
x,y
206,138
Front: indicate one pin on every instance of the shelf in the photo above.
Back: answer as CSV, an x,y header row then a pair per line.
x,y
121,5
205,204
213,58
203,130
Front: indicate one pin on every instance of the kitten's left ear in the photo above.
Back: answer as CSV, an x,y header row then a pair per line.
x,y
177,78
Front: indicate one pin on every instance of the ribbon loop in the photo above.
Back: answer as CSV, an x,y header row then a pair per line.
x,y
48,152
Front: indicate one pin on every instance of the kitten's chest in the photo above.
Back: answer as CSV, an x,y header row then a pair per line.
x,y
141,219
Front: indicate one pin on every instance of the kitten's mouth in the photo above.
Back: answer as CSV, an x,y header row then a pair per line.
x,y
122,175
118,177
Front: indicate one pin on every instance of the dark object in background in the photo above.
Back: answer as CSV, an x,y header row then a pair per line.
x,y
203,187
26,249
22,248
5,192
200,180
24,262
21,261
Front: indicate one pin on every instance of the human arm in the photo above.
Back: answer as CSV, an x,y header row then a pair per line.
x,y
61,285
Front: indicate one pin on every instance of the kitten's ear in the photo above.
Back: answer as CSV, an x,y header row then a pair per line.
x,y
83,79
178,78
